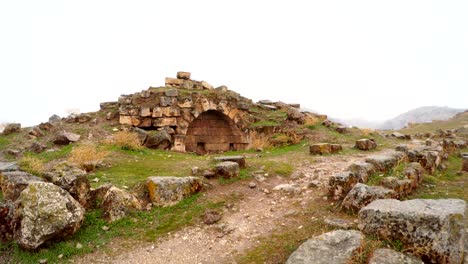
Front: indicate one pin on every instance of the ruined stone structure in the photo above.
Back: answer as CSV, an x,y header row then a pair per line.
x,y
201,119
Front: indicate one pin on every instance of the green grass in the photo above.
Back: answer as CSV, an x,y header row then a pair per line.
x,y
264,124
147,225
131,167
4,142
244,174
445,184
48,156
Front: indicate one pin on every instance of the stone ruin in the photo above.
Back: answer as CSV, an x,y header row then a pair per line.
x,y
198,117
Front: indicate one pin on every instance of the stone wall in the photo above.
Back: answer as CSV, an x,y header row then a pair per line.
x,y
201,118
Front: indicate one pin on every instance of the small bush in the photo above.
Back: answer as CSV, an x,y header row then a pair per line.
x,y
126,140
87,156
32,165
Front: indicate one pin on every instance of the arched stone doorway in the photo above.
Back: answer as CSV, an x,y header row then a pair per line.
x,y
212,131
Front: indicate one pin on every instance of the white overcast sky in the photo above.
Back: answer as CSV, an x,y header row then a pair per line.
x,y
370,59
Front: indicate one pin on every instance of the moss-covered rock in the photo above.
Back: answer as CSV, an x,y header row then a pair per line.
x,y
165,191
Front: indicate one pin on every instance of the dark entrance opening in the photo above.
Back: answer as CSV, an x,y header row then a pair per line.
x,y
212,131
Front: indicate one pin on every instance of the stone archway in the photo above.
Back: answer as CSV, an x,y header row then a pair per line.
x,y
213,131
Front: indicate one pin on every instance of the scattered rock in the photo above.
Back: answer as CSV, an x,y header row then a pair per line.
x,y
288,188
7,209
313,184
340,223
36,132
390,256
252,185
227,169
79,246
435,228
465,163
118,203
47,126
362,170
361,195
96,196
333,247
414,171
8,166
238,159
44,212
366,144
65,138
382,163
209,174
37,147
195,171
210,217
402,147
165,191
158,140
54,119
12,128
13,152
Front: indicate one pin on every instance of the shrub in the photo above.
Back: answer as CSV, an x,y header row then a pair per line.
x,y
32,165
126,140
87,156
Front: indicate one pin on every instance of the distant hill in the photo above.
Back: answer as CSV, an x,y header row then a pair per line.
x,y
423,114
459,121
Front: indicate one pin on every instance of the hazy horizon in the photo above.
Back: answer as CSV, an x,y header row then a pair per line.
x,y
370,60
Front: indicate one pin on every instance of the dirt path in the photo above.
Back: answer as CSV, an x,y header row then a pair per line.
x,y
257,214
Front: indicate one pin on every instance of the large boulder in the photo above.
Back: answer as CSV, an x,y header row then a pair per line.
x,y
14,182
238,159
390,256
12,128
335,247
433,229
361,195
158,140
227,169
166,191
44,212
341,183
65,138
365,144
71,179
118,203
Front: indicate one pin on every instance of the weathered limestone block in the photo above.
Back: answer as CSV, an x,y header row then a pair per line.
x,y
433,228
118,203
170,111
36,132
335,247
430,159
340,223
125,120
165,121
414,171
320,148
145,122
46,126
183,75
341,129
166,191
363,170
402,147
179,143
167,101
12,128
227,169
171,92
14,182
365,144
96,196
336,148
188,84
157,112
65,138
83,118
173,82
402,188
390,256
145,111
206,85
340,184
238,159
72,180
45,212
361,195
185,103
383,163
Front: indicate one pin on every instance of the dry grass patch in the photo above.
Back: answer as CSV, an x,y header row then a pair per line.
x,y
259,141
32,165
125,140
87,156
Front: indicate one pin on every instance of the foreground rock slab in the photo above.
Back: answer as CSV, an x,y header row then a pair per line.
x,y
8,166
389,256
166,191
365,144
362,194
238,159
45,212
333,247
227,169
118,203
434,227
